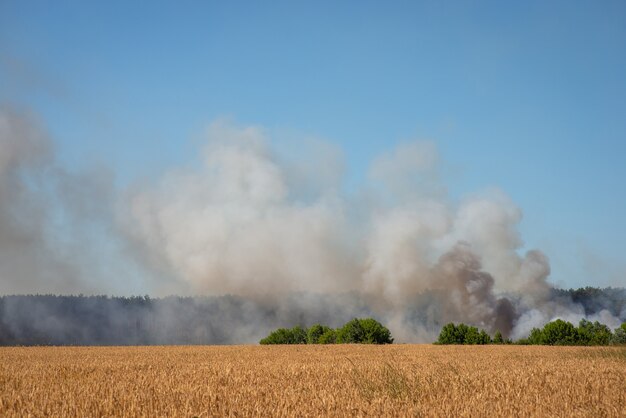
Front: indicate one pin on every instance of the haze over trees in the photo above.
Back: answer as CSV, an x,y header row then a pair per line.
x,y
141,320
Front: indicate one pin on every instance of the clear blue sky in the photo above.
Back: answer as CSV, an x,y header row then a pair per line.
x,y
529,97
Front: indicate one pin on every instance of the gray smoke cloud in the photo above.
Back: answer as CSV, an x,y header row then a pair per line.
x,y
56,226
26,261
233,225
248,221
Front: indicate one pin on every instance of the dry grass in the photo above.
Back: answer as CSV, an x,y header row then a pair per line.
x,y
399,380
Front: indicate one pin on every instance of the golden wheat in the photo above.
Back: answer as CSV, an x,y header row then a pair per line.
x,y
340,380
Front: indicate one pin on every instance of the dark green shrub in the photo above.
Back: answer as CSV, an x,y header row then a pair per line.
x,y
619,338
356,331
472,336
497,338
315,332
299,335
462,334
364,331
450,335
374,332
279,336
559,332
484,338
328,337
295,335
351,333
593,333
535,337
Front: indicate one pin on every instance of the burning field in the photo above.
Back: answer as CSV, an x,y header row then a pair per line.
x,y
400,380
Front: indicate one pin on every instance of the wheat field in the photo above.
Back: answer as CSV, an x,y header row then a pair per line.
x,y
339,380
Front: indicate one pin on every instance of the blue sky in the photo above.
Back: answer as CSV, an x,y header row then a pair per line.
x,y
529,97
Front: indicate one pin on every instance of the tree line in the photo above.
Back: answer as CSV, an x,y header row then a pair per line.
x,y
558,332
595,299
356,331
142,320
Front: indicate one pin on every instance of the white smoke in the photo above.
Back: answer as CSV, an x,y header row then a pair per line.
x,y
56,227
248,222
233,225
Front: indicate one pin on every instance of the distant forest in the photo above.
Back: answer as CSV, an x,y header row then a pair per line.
x,y
141,320
103,320
594,299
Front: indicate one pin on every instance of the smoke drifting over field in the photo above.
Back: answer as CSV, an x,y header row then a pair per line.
x,y
249,222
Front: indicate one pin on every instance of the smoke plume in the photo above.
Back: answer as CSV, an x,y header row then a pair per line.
x,y
288,238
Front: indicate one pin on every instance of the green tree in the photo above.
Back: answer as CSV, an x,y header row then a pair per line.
x,y
448,334
295,335
497,338
593,333
535,337
462,334
328,337
484,338
356,331
351,333
299,335
559,332
375,332
315,332
363,331
472,336
619,338
279,336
